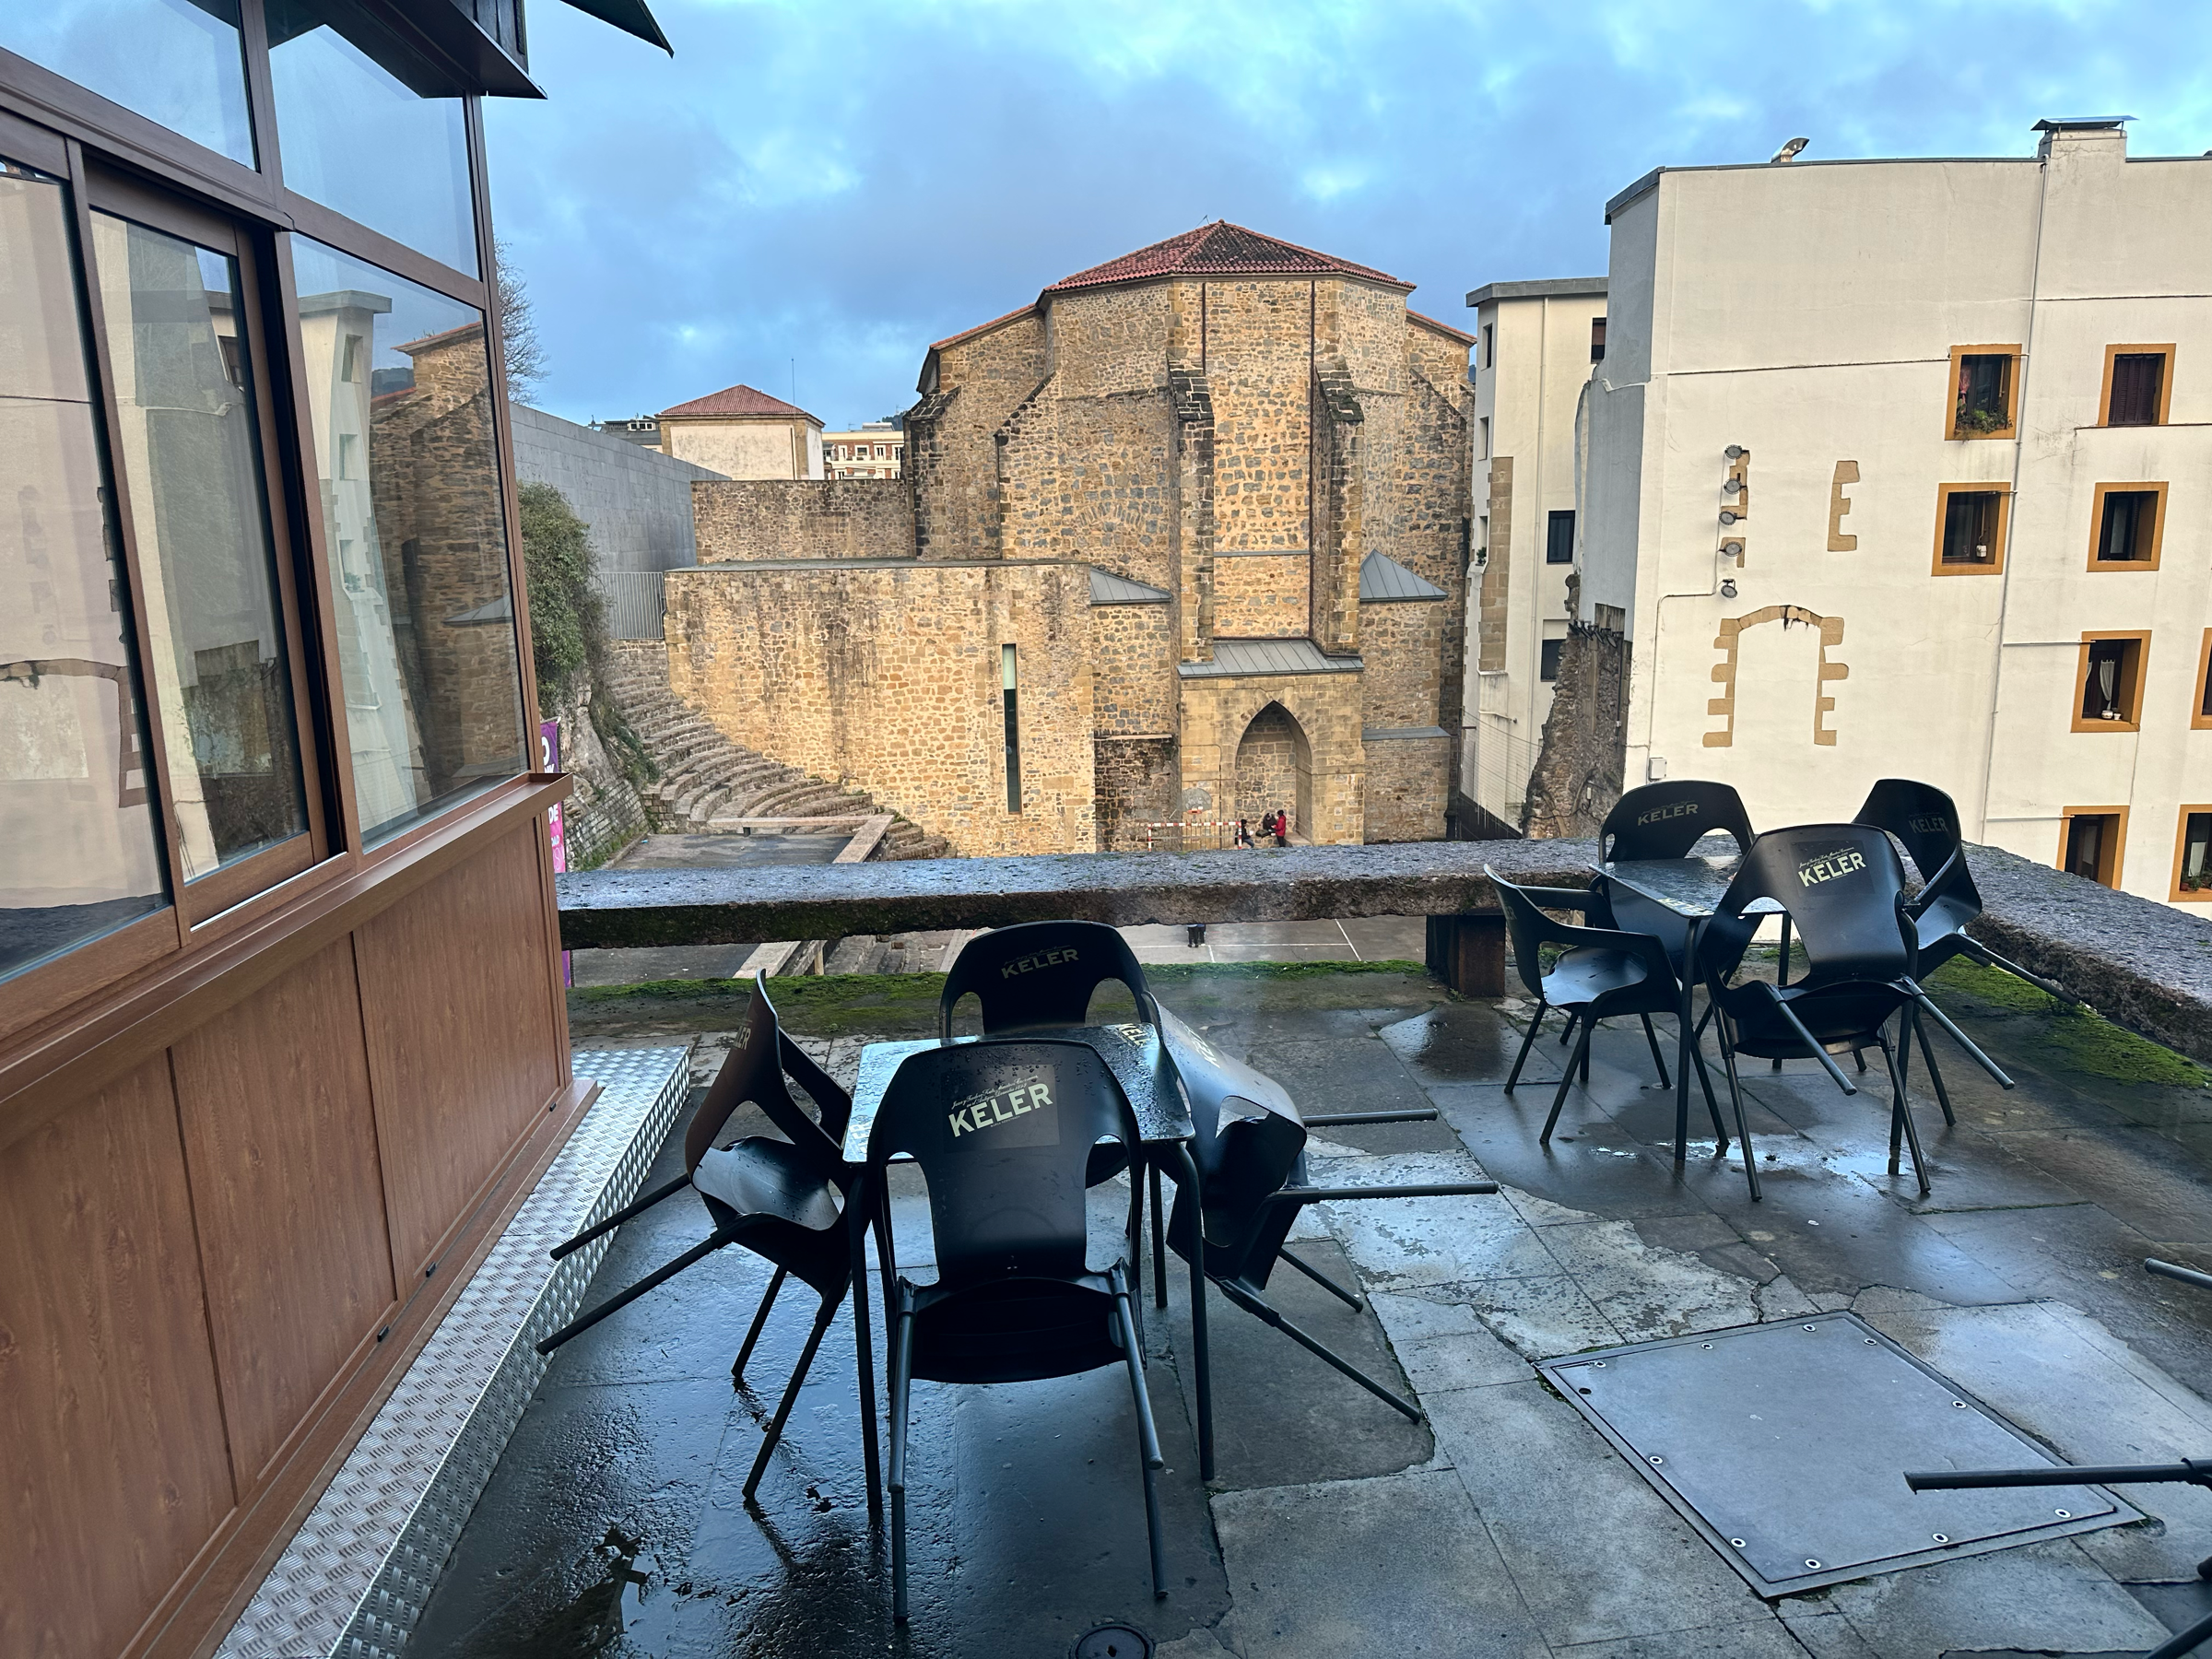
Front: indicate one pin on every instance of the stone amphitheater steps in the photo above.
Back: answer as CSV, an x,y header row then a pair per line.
x,y
704,776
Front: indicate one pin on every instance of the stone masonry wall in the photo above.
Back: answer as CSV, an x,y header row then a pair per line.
x,y
1139,783
1401,644
1260,597
1216,712
888,679
1089,477
950,451
1257,350
1405,788
1579,769
1133,670
803,518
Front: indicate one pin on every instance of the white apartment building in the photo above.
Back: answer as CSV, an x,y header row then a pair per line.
x,y
875,450
1904,468
1536,344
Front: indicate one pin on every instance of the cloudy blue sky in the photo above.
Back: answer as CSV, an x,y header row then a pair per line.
x,y
842,182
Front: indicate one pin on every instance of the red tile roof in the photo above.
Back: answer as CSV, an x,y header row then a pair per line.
x,y
1219,249
1443,328
736,400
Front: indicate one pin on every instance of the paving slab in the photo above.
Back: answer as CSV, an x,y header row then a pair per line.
x,y
1375,1568
2047,1597
1463,1042
1771,1639
1598,1555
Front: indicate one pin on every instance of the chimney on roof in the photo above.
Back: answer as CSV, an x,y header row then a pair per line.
x,y
2104,136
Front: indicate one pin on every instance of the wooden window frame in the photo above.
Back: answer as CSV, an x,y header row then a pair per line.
x,y
2181,846
2010,430
1995,567
2134,721
2119,845
2111,355
2199,719
2157,528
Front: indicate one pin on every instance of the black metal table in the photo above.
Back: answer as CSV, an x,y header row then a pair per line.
x,y
1692,888
1134,1054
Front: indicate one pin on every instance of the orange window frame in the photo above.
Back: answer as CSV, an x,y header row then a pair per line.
x,y
1995,567
2112,856
2157,527
2131,720
2200,704
2181,846
1952,433
2112,354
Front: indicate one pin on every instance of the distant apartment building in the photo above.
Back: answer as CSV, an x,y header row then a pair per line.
x,y
743,433
643,430
1536,344
876,450
1902,467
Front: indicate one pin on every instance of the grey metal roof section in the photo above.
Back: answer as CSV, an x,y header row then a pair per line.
x,y
1106,588
2079,124
1395,733
1385,581
1547,288
1268,656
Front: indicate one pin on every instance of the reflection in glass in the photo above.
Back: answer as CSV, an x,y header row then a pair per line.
x,y
191,461
80,853
177,61
364,129
399,379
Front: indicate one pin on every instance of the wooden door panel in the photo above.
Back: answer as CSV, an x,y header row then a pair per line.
x,y
456,1000
111,1428
281,1134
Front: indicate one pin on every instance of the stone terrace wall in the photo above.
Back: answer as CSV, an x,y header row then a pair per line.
x,y
804,518
949,434
887,679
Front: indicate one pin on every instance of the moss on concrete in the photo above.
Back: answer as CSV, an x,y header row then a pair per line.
x,y
2062,1034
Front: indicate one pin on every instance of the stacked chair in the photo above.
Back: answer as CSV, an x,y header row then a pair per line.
x,y
1842,888
1015,1298
782,1199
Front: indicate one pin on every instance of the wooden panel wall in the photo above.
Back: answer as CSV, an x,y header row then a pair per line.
x,y
110,1429
281,1136
460,1025
195,1259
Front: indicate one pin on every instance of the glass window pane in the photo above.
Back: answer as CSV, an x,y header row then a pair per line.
x,y
80,853
177,61
357,133
400,380
192,462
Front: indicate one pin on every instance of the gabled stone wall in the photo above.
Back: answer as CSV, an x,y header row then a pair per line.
x,y
803,518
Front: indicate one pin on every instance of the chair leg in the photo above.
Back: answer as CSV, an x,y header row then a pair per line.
x,y
658,1277
1652,1037
1942,1095
1579,1057
1571,1020
1904,1117
1860,1055
1527,1037
1159,1245
1712,1107
1319,1278
636,1207
791,1394
1148,1434
902,1359
768,1301
864,1354
1743,1126
1268,1315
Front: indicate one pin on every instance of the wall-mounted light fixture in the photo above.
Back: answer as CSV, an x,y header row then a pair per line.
x,y
1727,517
1728,587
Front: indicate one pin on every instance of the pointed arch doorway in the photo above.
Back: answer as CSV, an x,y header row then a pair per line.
x,y
1275,770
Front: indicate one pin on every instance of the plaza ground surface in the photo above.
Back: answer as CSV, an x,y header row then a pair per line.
x,y
1503,1523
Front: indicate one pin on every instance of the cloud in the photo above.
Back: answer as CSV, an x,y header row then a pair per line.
x,y
842,185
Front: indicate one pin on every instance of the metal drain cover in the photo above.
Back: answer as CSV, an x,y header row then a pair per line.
x,y
1785,1446
1115,1642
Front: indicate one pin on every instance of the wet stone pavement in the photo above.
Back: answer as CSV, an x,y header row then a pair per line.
x,y
1503,1525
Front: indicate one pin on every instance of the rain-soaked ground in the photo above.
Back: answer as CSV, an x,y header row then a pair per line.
x,y
1501,1524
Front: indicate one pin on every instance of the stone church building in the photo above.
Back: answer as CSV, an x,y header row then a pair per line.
x,y
1184,540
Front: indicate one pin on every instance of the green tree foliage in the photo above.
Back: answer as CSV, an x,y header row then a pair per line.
x,y
568,619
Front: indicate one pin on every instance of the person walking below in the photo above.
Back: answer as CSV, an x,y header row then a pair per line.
x,y
1281,828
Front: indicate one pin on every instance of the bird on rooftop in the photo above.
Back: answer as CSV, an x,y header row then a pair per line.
x,y
1788,152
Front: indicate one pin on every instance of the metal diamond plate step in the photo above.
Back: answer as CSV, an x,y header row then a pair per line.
x,y
1785,1446
358,1573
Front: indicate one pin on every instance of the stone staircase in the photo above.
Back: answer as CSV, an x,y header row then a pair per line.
x,y
704,776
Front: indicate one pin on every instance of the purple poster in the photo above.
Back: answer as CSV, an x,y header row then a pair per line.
x,y
548,760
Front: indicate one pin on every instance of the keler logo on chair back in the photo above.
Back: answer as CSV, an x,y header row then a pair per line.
x,y
1039,976
1841,884
1665,820
1920,814
1003,1133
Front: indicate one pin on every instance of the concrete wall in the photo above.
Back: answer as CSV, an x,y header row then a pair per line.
x,y
803,518
888,678
638,501
1835,665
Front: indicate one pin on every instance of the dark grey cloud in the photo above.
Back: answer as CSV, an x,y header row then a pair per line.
x,y
842,183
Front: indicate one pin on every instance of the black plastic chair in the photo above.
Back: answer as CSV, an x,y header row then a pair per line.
x,y
1250,1152
1662,820
782,1199
1843,887
1925,819
1003,1133
1039,976
1603,971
